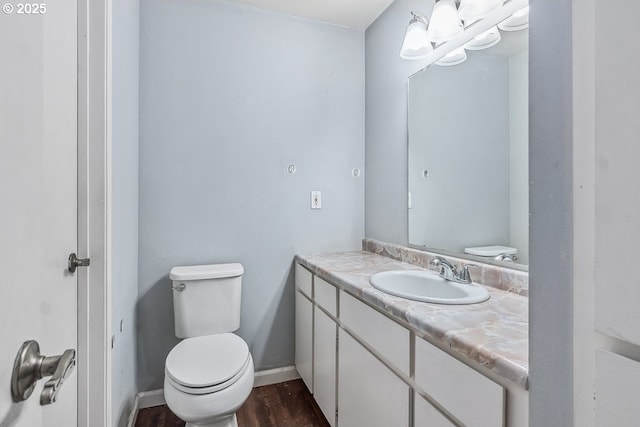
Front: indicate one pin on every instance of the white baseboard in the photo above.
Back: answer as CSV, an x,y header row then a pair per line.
x,y
145,399
275,376
149,399
133,416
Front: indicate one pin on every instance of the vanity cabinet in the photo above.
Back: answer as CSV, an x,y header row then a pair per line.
x,y
383,374
369,393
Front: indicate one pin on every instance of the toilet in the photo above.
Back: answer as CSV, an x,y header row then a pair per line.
x,y
496,252
209,374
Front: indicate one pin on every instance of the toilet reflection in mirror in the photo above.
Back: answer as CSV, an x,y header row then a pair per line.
x,y
468,155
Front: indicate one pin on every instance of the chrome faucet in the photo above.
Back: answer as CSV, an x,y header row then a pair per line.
x,y
506,258
450,272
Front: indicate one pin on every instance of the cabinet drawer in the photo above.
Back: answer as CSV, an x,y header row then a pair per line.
x,y
471,397
304,280
383,334
325,295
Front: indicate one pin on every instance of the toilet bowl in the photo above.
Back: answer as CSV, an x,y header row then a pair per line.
x,y
207,379
209,374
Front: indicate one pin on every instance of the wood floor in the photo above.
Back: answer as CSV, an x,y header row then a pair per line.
x,y
287,404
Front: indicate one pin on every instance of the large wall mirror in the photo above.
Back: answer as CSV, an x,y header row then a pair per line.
x,y
468,155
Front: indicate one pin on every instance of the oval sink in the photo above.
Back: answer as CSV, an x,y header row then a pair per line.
x,y
426,286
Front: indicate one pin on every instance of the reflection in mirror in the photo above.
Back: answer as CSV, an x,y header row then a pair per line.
x,y
468,154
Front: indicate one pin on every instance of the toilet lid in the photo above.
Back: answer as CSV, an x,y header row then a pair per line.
x,y
491,251
206,361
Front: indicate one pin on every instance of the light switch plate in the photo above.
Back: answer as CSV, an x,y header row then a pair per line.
x,y
316,200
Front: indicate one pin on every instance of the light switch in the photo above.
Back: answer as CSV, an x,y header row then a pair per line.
x,y
316,200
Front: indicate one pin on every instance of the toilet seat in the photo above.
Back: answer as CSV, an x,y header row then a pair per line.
x,y
207,364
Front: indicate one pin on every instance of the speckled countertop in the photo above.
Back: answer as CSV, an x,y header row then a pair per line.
x,y
494,333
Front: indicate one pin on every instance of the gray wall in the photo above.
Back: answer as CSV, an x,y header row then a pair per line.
x,y
124,291
229,96
551,223
386,121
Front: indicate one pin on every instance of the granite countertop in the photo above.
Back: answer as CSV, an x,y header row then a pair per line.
x,y
494,333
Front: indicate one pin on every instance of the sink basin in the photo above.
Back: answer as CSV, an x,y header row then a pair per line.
x,y
427,286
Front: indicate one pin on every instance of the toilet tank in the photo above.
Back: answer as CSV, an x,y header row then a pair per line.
x,y
206,299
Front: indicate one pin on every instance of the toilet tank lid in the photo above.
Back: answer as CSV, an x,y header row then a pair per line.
x,y
491,250
202,272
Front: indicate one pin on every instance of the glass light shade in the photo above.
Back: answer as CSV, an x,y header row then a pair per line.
x,y
416,43
472,10
455,57
516,22
485,40
445,22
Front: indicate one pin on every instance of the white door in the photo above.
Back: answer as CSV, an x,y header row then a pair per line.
x,y
38,198
607,213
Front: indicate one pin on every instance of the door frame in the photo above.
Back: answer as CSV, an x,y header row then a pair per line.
x,y
94,212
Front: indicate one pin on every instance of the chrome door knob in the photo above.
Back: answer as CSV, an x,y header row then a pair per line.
x,y
30,366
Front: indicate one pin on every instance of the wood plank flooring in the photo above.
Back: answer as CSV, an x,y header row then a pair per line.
x,y
287,404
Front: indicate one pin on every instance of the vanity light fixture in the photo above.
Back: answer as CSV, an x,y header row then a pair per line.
x,y
416,43
516,22
485,40
455,57
472,10
445,22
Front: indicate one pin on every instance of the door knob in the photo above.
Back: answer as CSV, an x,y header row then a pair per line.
x,y
75,262
30,366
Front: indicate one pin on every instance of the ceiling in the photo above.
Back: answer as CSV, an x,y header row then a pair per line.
x,y
348,13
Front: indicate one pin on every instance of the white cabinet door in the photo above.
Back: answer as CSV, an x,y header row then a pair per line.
x,y
324,364
38,199
304,339
425,415
369,394
471,397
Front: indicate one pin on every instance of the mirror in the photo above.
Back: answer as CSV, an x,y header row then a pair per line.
x,y
468,154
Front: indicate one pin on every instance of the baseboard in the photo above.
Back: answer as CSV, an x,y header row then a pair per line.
x,y
133,416
145,399
149,399
275,376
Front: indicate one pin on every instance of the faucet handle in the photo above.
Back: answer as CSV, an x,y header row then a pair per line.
x,y
464,275
438,261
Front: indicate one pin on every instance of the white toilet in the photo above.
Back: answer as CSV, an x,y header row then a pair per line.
x,y
209,374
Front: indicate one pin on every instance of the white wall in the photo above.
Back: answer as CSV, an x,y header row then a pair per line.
x,y
124,292
519,155
229,96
